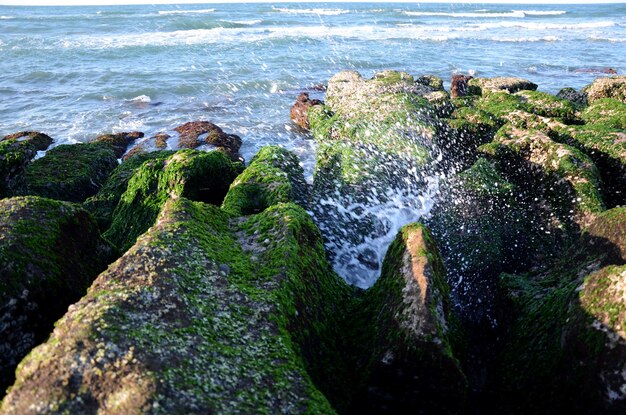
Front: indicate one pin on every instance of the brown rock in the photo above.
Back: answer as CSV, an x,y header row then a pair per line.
x,y
194,133
39,140
300,110
119,142
458,85
139,149
161,140
605,70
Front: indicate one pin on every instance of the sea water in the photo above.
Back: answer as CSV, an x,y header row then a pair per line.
x,y
77,72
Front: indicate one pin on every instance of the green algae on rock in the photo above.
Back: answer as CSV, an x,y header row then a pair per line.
x,y
192,174
485,86
50,252
119,142
14,157
608,87
39,140
69,172
409,362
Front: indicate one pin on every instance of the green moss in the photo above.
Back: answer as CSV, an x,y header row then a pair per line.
x,y
483,179
273,176
501,104
606,113
14,156
102,205
69,172
196,175
547,105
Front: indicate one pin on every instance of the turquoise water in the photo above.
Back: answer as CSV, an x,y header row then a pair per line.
x,y
77,72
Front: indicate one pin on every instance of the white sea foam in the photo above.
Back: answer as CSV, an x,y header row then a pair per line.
x,y
518,14
204,11
543,12
525,39
546,26
244,22
6,17
141,98
326,12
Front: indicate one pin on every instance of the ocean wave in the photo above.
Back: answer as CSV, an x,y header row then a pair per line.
x,y
170,12
525,39
326,12
6,17
244,22
518,14
543,12
546,26
141,99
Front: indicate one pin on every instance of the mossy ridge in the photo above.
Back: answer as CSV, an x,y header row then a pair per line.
x,y
547,105
14,157
102,205
193,174
50,252
409,325
274,175
609,113
608,87
70,172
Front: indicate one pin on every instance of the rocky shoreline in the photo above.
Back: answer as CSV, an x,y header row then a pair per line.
x,y
188,282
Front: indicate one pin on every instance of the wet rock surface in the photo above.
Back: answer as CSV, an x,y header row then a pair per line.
x,y
300,109
224,299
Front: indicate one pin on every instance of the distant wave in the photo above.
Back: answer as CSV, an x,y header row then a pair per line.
x,y
141,99
487,14
525,39
546,26
6,17
327,12
204,11
244,22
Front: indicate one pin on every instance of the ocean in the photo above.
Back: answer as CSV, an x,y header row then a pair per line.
x,y
77,72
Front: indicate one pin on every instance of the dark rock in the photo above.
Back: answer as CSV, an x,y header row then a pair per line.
x,y
14,157
119,142
50,252
459,85
604,70
39,140
138,149
432,81
193,133
411,367
69,172
576,97
161,140
300,110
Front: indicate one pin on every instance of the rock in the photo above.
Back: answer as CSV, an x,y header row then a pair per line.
x,y
14,157
193,133
39,140
138,149
50,252
604,70
273,176
508,84
69,172
102,204
579,99
606,113
459,85
432,81
196,175
300,109
611,87
161,140
566,348
119,142
207,313
547,105
411,367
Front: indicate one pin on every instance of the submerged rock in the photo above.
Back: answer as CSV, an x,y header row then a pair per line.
x,y
300,110
69,172
50,252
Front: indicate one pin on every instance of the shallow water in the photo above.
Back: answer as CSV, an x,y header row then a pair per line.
x,y
76,72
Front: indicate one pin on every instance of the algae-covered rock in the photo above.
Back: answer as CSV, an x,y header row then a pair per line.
x,y
50,252
547,105
14,157
565,177
119,142
196,133
411,366
39,140
566,348
609,87
69,172
610,113
102,204
196,175
273,176
207,313
508,84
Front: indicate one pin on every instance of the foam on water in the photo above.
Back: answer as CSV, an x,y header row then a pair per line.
x,y
174,12
320,12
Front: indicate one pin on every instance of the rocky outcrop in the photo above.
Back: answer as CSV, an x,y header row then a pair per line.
x,y
69,172
509,84
410,363
202,176
300,110
39,141
119,142
50,252
459,85
611,87
196,133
